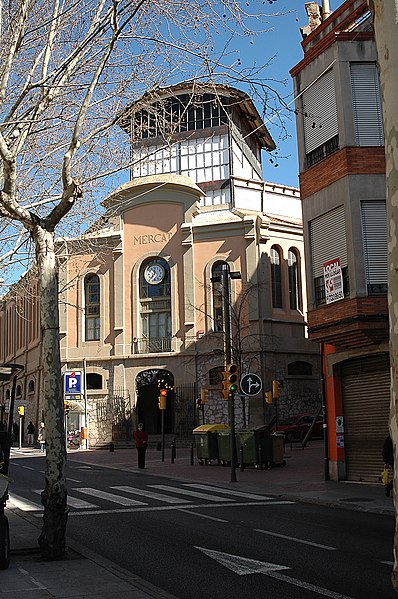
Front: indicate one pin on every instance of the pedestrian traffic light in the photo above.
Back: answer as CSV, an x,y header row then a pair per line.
x,y
162,399
275,389
268,397
223,390
232,378
21,410
66,407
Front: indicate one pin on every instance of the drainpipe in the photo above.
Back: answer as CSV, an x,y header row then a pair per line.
x,y
326,12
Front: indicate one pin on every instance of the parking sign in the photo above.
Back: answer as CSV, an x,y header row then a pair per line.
x,y
73,382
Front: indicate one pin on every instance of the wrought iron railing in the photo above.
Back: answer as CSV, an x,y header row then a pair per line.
x,y
154,345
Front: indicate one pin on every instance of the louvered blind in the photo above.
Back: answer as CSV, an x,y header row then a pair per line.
x,y
320,112
368,118
374,228
328,239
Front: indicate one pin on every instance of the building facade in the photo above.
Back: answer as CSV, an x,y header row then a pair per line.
x,y
342,185
138,309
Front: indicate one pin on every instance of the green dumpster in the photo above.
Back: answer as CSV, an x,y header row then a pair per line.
x,y
277,449
224,445
205,437
256,444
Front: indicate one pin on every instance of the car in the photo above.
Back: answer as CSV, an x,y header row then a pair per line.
x,y
296,427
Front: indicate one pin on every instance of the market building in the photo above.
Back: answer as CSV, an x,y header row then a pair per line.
x,y
138,309
343,193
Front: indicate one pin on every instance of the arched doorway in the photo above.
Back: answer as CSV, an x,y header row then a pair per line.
x,y
148,385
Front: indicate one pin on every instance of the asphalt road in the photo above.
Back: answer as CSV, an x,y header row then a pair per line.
x,y
197,541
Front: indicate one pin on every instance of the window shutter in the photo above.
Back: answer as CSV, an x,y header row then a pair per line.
x,y
320,112
368,118
374,228
328,239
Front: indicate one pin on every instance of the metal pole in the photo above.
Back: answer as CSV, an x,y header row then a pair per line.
x,y
162,422
20,431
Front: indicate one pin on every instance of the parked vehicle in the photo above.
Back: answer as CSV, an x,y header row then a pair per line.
x,y
296,427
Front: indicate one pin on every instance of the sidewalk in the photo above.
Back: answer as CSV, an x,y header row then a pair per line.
x,y
302,479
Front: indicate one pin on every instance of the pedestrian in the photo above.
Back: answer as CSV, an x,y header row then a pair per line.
x,y
41,437
388,459
31,433
141,443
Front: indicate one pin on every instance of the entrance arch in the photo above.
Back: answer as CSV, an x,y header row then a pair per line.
x,y
148,384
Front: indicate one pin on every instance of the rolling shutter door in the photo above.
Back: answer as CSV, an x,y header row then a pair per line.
x,y
328,240
374,227
366,408
320,112
368,118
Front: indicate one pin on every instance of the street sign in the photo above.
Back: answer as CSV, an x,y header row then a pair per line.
x,y
73,382
250,384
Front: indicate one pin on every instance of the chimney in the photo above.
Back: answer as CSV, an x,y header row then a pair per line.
x,y
325,9
314,18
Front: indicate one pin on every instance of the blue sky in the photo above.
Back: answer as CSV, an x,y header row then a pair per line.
x,y
284,41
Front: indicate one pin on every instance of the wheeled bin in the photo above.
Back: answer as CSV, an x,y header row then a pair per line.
x,y
277,449
205,437
224,446
256,444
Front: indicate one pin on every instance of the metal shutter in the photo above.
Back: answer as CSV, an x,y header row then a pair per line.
x,y
328,239
374,229
320,112
366,408
368,118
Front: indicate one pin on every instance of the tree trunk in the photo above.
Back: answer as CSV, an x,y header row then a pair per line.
x,y
385,16
54,497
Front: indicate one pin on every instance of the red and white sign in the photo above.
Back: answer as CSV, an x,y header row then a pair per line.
x,y
333,281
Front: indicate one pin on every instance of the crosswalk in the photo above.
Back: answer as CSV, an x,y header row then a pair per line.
x,y
150,497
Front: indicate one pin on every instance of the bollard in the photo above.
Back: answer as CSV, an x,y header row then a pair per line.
x,y
158,446
111,447
242,466
173,450
260,457
191,454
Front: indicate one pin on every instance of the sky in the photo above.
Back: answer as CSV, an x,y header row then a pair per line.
x,y
284,41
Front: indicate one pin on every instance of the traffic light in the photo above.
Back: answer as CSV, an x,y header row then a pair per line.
x,y
268,397
232,378
275,389
162,399
223,391
21,410
66,407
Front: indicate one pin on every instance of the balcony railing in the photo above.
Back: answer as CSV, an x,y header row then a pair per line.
x,y
154,345
323,151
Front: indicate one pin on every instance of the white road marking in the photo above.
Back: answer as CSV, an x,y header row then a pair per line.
x,y
109,496
295,539
73,480
256,497
386,563
190,493
150,494
203,516
24,504
244,565
79,504
28,468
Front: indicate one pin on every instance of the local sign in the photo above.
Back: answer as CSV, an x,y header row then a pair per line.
x,y
333,281
250,384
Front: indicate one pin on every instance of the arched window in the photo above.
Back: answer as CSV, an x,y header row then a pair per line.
x,y
218,267
276,277
299,368
294,281
214,375
18,391
92,307
31,387
93,380
155,306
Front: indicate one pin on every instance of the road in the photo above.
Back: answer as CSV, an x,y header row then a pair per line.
x,y
197,541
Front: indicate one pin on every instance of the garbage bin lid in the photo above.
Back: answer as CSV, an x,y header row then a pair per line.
x,y
207,428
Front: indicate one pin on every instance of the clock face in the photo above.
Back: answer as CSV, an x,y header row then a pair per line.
x,y
154,274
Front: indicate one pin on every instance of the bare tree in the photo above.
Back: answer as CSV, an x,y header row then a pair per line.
x,y
67,69
385,17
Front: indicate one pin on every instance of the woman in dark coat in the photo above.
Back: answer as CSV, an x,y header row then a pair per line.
x,y
141,443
